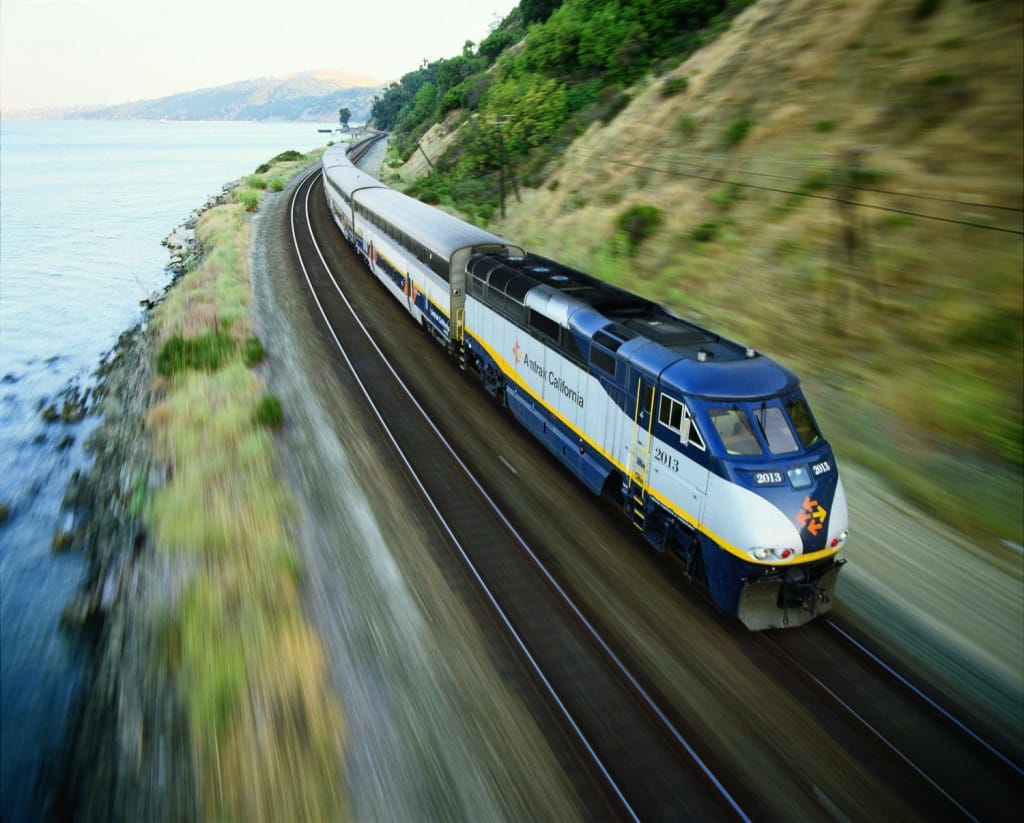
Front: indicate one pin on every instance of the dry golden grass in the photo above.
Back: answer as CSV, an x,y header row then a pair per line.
x,y
910,322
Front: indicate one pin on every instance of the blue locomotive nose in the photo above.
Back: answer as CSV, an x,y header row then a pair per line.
x,y
822,507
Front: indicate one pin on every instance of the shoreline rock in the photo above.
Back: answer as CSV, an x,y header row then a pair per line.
x,y
127,752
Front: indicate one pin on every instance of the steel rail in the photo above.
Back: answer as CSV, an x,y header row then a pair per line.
x,y
562,594
794,664
517,638
932,704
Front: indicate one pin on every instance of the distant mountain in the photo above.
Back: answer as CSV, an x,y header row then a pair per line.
x,y
307,96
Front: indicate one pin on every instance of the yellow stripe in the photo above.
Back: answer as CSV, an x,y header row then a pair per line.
x,y
510,373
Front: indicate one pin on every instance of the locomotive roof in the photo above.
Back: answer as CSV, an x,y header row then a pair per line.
x,y
645,333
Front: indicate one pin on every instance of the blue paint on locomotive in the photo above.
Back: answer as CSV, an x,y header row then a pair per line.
x,y
570,449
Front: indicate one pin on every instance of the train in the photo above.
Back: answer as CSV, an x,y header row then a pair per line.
x,y
709,447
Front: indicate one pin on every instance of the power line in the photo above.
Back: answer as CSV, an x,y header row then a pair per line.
x,y
909,195
892,209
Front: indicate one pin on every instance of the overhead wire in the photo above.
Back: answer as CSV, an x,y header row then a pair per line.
x,y
909,195
829,198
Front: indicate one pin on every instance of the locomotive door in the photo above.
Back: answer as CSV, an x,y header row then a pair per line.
x,y
457,299
641,444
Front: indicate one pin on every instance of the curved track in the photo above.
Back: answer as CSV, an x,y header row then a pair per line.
x,y
648,767
626,720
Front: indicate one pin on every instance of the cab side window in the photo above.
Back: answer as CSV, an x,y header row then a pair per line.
x,y
676,416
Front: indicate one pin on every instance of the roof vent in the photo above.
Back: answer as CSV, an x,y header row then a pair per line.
x,y
750,353
702,356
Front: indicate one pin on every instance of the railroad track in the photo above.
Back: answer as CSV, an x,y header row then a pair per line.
x,y
627,725
969,775
647,766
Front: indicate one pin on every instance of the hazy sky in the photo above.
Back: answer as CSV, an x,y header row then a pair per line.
x,y
79,52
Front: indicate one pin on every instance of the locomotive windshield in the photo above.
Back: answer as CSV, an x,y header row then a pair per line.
x,y
772,422
804,424
733,426
783,427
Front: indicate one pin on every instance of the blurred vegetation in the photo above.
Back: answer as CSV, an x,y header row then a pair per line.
x,y
270,411
265,726
519,107
840,185
639,222
204,352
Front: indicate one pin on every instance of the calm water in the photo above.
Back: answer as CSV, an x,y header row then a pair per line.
x,y
83,208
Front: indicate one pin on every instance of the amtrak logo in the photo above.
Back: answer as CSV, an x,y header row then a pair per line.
x,y
517,353
811,516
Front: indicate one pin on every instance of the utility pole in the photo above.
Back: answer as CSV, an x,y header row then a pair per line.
x,y
499,121
501,168
425,155
853,253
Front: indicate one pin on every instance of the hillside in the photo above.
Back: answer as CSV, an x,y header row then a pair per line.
x,y
308,96
839,185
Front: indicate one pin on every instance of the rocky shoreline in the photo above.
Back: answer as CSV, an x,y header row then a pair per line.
x,y
127,753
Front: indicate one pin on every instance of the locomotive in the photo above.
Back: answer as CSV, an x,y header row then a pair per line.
x,y
709,446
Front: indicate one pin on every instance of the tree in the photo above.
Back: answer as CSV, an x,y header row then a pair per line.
x,y
537,11
343,116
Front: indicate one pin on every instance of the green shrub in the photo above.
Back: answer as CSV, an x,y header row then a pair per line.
x,y
254,181
610,104
250,199
825,126
637,223
277,184
270,411
705,232
726,195
674,86
813,182
867,176
288,156
253,351
207,352
924,9
737,130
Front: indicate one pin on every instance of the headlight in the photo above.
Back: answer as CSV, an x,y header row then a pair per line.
x,y
771,553
799,477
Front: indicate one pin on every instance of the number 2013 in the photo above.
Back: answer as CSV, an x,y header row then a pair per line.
x,y
666,459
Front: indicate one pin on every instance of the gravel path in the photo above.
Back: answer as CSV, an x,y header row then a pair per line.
x,y
434,730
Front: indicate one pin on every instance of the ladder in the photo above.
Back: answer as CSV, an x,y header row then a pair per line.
x,y
639,456
459,335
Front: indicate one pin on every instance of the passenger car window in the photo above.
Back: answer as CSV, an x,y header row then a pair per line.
x,y
734,428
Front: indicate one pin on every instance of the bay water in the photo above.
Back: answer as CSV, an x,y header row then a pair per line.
x,y
83,209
